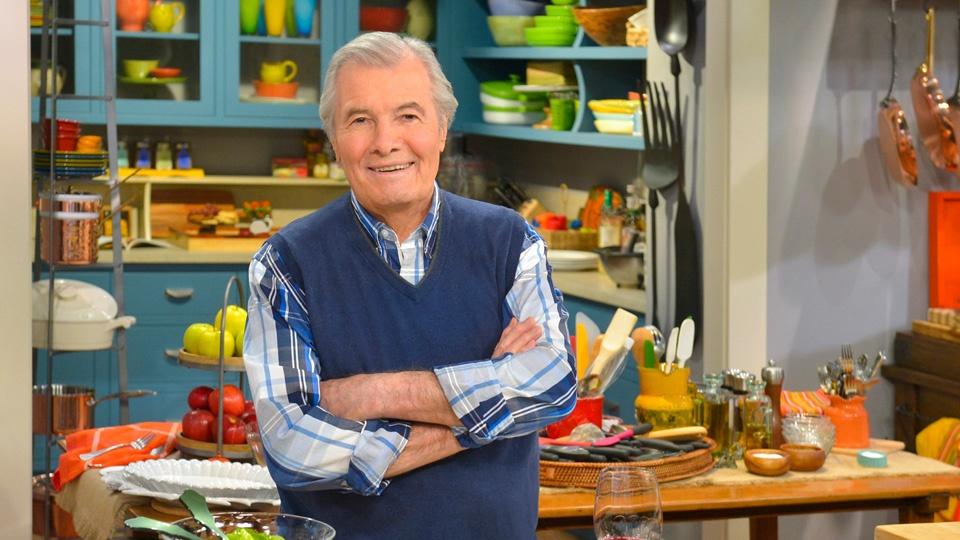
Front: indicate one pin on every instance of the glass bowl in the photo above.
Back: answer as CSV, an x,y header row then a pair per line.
x,y
816,430
288,526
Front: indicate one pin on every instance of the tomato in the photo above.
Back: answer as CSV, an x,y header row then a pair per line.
x,y
232,400
198,425
199,397
234,431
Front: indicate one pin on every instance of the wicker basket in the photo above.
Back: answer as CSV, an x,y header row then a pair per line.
x,y
575,240
585,475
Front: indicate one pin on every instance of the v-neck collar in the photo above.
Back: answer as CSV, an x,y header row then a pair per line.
x,y
414,292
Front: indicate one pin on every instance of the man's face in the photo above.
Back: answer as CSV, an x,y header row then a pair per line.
x,y
388,135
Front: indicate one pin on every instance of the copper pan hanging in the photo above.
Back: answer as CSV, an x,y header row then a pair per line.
x,y
954,101
933,118
896,145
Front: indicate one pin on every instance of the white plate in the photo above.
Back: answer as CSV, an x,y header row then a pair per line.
x,y
209,478
494,101
563,259
259,99
513,118
114,478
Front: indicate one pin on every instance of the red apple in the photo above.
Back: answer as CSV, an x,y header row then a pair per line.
x,y
232,400
198,425
199,397
234,431
248,407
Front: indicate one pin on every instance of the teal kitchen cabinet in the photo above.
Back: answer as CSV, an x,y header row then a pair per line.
x,y
74,62
165,300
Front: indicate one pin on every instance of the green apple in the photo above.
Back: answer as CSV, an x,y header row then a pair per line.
x,y
210,344
236,319
238,350
191,337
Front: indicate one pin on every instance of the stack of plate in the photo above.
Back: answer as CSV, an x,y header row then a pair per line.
x,y
561,259
614,116
78,164
504,105
227,481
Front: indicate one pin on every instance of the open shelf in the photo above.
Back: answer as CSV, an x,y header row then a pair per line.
x,y
233,181
280,40
558,53
185,36
524,133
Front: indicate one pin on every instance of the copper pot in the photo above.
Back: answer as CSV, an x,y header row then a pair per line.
x,y
72,407
896,145
933,114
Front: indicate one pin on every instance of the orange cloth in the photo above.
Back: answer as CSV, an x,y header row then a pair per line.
x,y
80,442
941,441
793,403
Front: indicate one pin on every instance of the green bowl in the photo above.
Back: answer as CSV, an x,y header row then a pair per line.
x,y
563,23
549,37
565,2
507,30
560,11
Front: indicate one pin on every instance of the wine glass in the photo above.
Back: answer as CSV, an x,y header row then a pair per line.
x,y
627,505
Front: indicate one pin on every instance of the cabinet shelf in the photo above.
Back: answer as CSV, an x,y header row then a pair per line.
x,y
60,31
186,36
524,133
233,181
280,40
557,53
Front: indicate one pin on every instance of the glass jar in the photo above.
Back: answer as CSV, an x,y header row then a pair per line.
x,y
717,416
143,160
164,156
756,417
696,397
183,160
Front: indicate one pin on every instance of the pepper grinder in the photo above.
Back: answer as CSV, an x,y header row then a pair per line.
x,y
773,376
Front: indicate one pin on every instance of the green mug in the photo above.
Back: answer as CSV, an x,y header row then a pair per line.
x,y
139,69
277,72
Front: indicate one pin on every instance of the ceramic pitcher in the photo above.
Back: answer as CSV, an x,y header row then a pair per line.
x,y
163,16
132,14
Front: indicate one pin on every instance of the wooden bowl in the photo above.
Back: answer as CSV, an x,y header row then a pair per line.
x,y
767,462
804,457
606,26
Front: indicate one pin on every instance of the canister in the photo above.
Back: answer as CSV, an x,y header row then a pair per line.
x,y
663,401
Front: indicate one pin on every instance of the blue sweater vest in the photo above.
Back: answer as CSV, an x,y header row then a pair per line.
x,y
367,319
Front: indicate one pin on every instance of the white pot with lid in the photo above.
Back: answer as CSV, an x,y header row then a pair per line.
x,y
85,316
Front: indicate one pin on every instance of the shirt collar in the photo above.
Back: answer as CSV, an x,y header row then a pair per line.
x,y
373,227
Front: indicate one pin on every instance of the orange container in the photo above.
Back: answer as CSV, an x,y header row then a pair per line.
x,y
944,250
586,410
286,90
850,418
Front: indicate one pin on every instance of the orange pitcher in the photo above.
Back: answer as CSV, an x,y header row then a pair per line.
x,y
133,14
850,418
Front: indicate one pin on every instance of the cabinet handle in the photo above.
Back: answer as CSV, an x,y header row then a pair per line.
x,y
172,353
179,294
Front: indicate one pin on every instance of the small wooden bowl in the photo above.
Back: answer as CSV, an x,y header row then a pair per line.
x,y
804,457
762,461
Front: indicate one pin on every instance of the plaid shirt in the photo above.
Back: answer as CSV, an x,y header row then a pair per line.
x,y
509,396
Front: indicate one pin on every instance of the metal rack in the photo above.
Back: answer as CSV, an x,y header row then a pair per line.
x,y
52,22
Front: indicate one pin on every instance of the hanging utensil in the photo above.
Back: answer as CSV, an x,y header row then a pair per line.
x,y
936,128
896,144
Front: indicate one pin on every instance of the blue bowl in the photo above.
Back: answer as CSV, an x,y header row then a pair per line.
x,y
515,7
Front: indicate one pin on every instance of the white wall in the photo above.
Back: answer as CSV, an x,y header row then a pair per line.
x,y
847,247
15,369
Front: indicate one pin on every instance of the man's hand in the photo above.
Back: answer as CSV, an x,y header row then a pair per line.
x,y
518,337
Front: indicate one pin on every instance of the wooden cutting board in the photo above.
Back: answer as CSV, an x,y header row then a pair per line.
x,y
885,446
169,208
215,242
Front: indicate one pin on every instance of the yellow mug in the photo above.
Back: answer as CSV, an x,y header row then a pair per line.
x,y
164,16
277,72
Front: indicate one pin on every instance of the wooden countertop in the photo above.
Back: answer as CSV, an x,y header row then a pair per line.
x,y
918,531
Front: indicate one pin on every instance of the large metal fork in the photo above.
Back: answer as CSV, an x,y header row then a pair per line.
x,y
661,137
138,444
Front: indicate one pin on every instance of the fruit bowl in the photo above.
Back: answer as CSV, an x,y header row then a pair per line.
x,y
230,363
205,449
288,526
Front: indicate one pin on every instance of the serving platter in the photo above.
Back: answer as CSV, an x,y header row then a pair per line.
x,y
218,479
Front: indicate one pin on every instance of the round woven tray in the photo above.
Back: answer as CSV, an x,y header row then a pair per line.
x,y
584,475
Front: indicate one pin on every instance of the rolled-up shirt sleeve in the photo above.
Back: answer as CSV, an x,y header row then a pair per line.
x,y
307,448
518,394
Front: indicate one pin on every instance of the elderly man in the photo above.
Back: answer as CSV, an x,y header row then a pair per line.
x,y
398,395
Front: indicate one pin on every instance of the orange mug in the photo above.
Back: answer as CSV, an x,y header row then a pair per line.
x,y
850,418
89,143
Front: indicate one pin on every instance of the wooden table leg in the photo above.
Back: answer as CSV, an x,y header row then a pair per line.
x,y
763,528
923,511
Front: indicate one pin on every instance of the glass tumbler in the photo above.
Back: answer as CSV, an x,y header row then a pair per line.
x,y
627,505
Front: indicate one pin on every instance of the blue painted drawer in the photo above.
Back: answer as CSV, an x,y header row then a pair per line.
x,y
194,295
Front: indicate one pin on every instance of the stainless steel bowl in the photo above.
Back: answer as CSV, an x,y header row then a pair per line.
x,y
625,269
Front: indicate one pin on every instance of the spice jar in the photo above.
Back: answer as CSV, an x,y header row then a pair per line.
x,y
755,416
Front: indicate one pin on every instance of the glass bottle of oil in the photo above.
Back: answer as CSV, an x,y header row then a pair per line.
x,y
756,417
717,417
696,397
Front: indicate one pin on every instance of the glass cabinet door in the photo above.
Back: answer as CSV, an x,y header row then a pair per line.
x,y
164,57
71,74
276,51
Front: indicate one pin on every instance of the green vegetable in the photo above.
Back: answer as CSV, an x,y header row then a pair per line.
x,y
247,534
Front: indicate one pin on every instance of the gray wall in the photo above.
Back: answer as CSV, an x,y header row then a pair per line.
x,y
847,247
